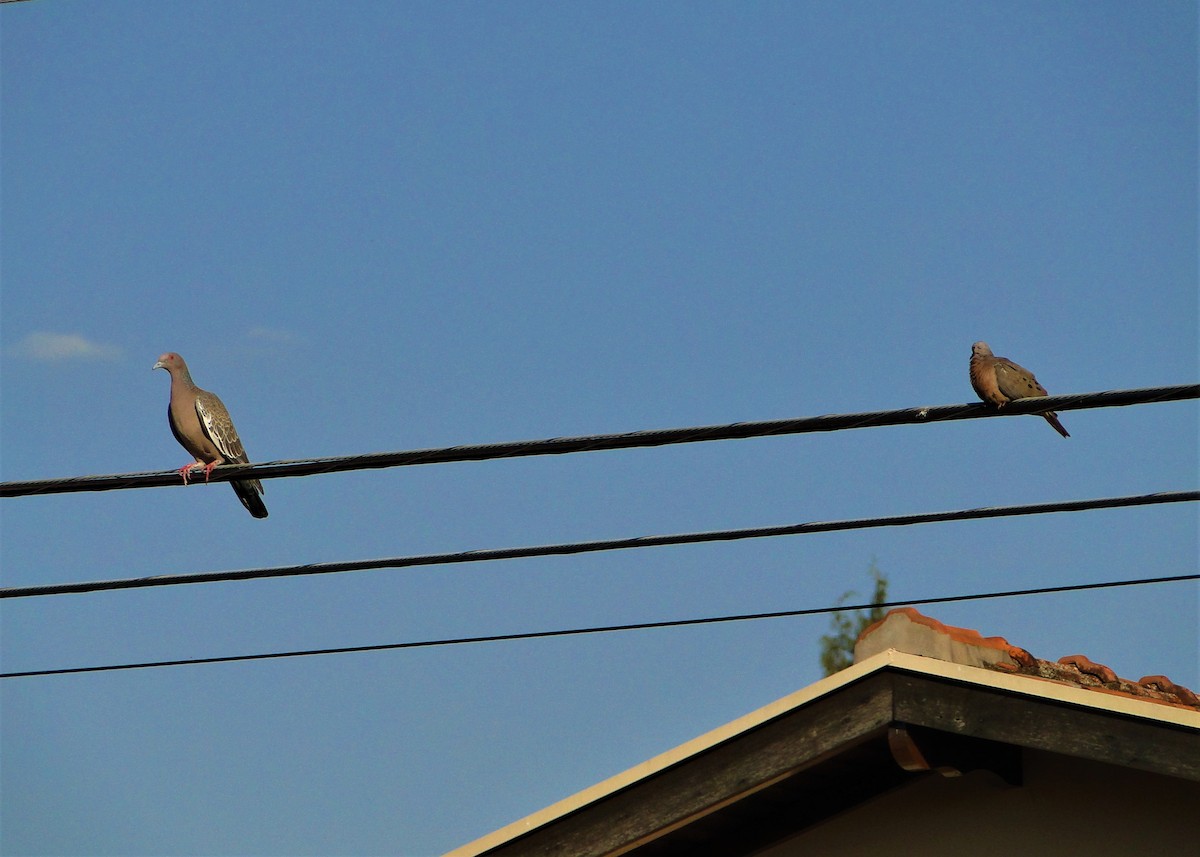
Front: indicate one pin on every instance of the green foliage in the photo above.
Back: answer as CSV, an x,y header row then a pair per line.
x,y
837,648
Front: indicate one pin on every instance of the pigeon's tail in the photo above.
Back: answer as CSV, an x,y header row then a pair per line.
x,y
1050,416
250,493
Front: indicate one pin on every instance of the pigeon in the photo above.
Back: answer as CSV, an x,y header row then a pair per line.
x,y
998,381
202,426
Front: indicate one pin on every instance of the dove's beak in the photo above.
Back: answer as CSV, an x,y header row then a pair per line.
x,y
158,365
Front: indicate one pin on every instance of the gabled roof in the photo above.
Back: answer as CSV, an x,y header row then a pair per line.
x,y
859,733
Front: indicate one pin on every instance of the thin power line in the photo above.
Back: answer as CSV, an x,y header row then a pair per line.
x,y
565,549
594,443
600,629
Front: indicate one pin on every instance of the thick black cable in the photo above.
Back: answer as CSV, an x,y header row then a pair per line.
x,y
492,554
594,443
602,629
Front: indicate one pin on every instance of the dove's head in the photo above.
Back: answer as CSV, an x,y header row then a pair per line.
x,y
980,349
170,361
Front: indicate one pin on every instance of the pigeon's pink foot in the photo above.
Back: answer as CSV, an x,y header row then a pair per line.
x,y
187,469
208,468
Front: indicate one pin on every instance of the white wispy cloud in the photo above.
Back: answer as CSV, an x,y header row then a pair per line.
x,y
50,347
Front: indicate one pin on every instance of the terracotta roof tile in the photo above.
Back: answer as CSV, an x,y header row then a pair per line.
x,y
964,645
1162,684
1084,665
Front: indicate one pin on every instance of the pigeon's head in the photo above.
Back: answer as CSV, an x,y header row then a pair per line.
x,y
979,349
169,361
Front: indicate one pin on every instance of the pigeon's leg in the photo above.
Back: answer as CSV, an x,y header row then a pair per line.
x,y
187,469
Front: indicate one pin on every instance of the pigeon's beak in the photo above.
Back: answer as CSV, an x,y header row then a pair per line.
x,y
158,365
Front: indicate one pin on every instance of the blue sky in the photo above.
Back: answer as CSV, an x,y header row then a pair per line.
x,y
378,226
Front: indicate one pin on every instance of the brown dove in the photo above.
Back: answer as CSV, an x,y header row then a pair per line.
x,y
202,426
998,381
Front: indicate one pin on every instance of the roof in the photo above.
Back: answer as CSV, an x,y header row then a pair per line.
x,y
959,702
908,630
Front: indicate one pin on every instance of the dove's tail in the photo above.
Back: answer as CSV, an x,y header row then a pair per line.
x,y
248,492
1052,418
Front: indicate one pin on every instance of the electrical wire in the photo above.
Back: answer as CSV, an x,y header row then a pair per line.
x,y
595,443
601,629
569,548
